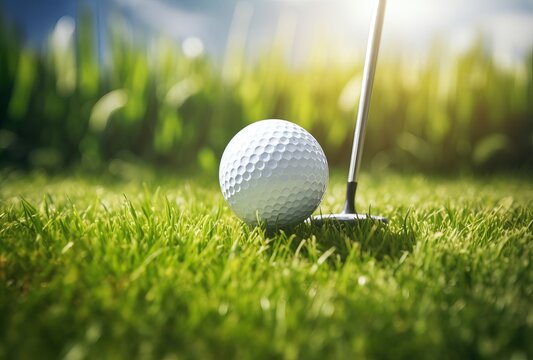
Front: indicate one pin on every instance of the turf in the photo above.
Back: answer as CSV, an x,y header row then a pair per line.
x,y
148,265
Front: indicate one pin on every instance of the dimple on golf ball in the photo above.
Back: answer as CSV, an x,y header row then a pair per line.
x,y
274,172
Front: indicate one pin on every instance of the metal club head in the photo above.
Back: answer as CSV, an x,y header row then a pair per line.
x,y
348,219
348,215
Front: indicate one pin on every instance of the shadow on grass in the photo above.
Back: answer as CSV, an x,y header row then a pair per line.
x,y
369,237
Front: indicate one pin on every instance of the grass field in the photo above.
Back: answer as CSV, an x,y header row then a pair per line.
x,y
158,267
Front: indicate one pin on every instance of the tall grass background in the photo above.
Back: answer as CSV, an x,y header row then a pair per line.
x,y
149,102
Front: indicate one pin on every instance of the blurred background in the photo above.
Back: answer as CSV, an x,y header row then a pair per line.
x,y
169,82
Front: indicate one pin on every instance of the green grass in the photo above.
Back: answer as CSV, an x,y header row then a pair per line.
x,y
147,265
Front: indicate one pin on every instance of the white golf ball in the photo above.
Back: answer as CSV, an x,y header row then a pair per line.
x,y
273,171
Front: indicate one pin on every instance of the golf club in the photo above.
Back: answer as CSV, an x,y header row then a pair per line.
x,y
348,214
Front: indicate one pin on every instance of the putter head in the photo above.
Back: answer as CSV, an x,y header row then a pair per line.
x,y
344,218
348,216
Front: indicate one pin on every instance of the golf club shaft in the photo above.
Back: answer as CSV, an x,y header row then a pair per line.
x,y
366,92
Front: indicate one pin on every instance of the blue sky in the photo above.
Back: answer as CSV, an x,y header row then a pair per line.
x,y
410,25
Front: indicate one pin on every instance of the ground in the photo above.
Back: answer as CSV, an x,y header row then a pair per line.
x,y
143,264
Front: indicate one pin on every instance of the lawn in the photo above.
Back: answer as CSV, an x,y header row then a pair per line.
x,y
144,264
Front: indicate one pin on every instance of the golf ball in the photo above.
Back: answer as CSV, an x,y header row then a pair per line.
x,y
275,172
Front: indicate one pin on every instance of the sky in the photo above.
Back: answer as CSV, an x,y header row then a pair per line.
x,y
410,25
